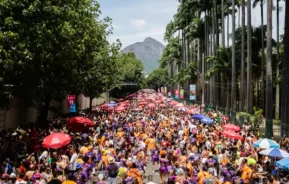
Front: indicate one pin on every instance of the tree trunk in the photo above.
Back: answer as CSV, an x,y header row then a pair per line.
x,y
223,25
42,118
90,103
285,76
269,87
223,99
239,17
249,101
228,94
233,60
242,88
277,105
263,57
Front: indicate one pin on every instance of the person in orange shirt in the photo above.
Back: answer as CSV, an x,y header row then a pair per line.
x,y
199,137
202,175
134,172
84,149
247,173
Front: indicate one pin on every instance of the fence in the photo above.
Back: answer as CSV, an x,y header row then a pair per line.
x,y
258,122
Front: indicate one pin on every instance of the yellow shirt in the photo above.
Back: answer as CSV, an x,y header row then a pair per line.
x,y
151,143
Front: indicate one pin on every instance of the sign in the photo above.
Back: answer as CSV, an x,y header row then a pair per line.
x,y
192,92
177,94
169,94
182,94
162,90
159,90
71,101
166,90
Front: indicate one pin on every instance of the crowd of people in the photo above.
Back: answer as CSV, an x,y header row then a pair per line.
x,y
161,144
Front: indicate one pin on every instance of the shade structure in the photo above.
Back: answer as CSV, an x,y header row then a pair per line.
x,y
266,143
207,120
173,103
151,105
182,109
112,105
198,116
162,105
79,124
275,152
104,106
233,135
179,105
112,102
231,127
251,161
283,164
137,109
56,140
110,109
120,109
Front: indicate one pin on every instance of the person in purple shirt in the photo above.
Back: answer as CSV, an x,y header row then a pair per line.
x,y
86,169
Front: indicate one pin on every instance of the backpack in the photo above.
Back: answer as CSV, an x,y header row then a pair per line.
x,y
112,170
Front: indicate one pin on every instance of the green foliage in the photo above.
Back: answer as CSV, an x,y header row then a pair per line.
x,y
172,52
158,78
188,73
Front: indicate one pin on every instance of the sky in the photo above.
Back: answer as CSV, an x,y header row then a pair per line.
x,y
134,20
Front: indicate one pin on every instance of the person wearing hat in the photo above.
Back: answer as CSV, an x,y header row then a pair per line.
x,y
112,171
13,177
5,179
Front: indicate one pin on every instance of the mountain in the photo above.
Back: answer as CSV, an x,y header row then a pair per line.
x,y
149,52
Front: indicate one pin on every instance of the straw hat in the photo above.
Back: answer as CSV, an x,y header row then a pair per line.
x,y
111,160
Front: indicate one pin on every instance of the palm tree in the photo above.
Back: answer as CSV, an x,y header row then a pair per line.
x,y
233,95
285,76
263,49
269,86
242,81
249,99
221,65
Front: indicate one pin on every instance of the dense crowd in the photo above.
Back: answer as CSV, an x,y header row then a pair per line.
x,y
161,144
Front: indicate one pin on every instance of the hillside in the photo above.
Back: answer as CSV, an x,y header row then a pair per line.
x,y
149,52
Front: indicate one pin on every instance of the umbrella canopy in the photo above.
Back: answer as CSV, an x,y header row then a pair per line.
x,y
120,109
266,143
151,105
80,120
275,152
179,105
198,116
173,103
231,127
137,109
112,102
284,163
231,134
162,105
182,109
111,105
251,161
207,120
56,140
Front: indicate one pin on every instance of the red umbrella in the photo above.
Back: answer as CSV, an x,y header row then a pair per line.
x,y
231,127
162,105
120,109
104,106
231,134
179,105
80,120
173,103
56,140
137,109
151,105
110,109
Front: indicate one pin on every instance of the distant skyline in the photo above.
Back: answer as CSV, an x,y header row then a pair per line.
x,y
134,20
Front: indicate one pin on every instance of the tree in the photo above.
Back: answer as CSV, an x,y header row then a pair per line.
x,y
234,81
158,78
269,86
50,45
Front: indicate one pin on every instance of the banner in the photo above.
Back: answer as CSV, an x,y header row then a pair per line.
x,y
182,94
192,92
71,101
177,94
159,90
169,94
166,90
162,90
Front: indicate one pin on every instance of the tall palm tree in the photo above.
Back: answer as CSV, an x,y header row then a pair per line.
x,y
285,76
269,86
249,100
255,3
242,81
233,95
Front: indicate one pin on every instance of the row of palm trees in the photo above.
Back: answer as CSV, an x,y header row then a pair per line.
x,y
235,73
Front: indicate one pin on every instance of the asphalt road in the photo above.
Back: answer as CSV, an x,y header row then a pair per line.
x,y
149,171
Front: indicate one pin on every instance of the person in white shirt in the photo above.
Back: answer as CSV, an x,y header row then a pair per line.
x,y
150,180
73,161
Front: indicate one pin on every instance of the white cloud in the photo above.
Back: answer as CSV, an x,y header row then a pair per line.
x,y
139,24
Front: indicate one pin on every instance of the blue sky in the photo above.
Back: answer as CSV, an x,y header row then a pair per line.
x,y
134,20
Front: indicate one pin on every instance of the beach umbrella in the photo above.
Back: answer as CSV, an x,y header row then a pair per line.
x,y
111,105
266,143
207,120
283,164
137,109
275,152
251,161
173,103
179,105
231,127
56,140
151,105
182,109
198,116
233,135
110,109
80,120
112,102
120,109
162,105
